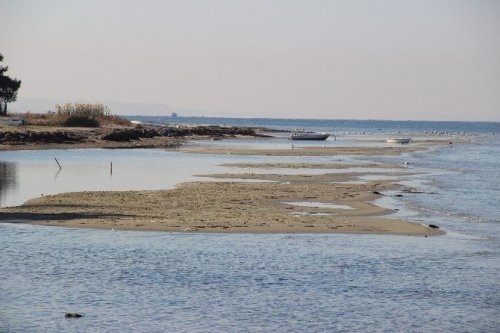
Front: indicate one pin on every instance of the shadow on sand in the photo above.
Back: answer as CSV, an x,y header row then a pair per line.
x,y
26,217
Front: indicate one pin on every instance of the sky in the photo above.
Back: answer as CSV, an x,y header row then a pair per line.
x,y
352,59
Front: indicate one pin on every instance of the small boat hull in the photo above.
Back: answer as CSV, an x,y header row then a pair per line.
x,y
310,136
398,140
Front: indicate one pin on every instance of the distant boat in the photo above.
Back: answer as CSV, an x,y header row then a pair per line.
x,y
309,136
398,140
174,114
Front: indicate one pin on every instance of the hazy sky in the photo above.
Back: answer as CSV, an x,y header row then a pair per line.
x,y
421,59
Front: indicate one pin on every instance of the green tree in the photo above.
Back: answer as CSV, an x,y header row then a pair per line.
x,y
8,88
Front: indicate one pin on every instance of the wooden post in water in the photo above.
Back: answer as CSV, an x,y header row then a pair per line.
x,y
58,163
111,168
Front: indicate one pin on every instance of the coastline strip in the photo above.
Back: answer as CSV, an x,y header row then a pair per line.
x,y
306,151
243,207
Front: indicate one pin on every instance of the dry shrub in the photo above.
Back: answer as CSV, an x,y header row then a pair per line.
x,y
34,118
81,115
77,115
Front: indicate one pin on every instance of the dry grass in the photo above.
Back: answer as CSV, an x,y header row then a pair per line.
x,y
77,115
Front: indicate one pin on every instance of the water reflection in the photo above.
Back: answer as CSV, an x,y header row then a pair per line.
x,y
8,179
90,170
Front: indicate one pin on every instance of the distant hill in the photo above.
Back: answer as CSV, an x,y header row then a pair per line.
x,y
40,105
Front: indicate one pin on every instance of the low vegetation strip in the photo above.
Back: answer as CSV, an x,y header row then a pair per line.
x,y
45,137
77,115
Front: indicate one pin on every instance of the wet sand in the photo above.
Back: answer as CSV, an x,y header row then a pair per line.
x,y
308,151
224,207
308,179
332,166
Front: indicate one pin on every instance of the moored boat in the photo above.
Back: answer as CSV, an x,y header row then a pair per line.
x,y
309,136
398,140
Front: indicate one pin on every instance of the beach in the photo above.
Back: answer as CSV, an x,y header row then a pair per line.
x,y
246,202
224,207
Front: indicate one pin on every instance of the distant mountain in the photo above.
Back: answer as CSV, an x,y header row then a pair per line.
x,y
40,105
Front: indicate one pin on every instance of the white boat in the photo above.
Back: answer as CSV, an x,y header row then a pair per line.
x,y
174,114
398,140
309,136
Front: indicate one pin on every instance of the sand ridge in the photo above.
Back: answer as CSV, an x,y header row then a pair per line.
x,y
223,207
310,165
306,151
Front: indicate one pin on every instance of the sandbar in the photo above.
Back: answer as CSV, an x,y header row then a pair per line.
x,y
335,166
218,206
307,151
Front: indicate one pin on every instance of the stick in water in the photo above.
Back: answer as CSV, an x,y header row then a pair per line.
x,y
111,169
60,167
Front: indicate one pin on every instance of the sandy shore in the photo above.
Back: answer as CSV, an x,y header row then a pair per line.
x,y
243,202
308,151
226,207
335,166
305,178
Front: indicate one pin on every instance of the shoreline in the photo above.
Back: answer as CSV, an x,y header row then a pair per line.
x,y
248,230
239,202
114,137
281,206
179,136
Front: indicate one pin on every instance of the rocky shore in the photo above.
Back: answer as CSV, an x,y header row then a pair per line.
x,y
41,137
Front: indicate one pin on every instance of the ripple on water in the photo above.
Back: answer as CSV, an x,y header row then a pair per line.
x,y
140,281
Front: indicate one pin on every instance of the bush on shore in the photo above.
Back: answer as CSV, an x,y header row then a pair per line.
x,y
77,115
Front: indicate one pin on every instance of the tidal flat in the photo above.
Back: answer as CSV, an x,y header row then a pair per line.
x,y
242,202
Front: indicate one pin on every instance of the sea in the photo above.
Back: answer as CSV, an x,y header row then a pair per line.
x,y
137,281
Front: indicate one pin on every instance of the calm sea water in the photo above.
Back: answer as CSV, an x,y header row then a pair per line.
x,y
124,281
162,282
342,125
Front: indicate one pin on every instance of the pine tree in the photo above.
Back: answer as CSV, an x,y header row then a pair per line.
x,y
8,88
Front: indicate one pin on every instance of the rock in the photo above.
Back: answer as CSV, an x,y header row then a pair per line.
x,y
376,192
433,226
412,190
40,137
128,134
217,132
72,315
68,136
